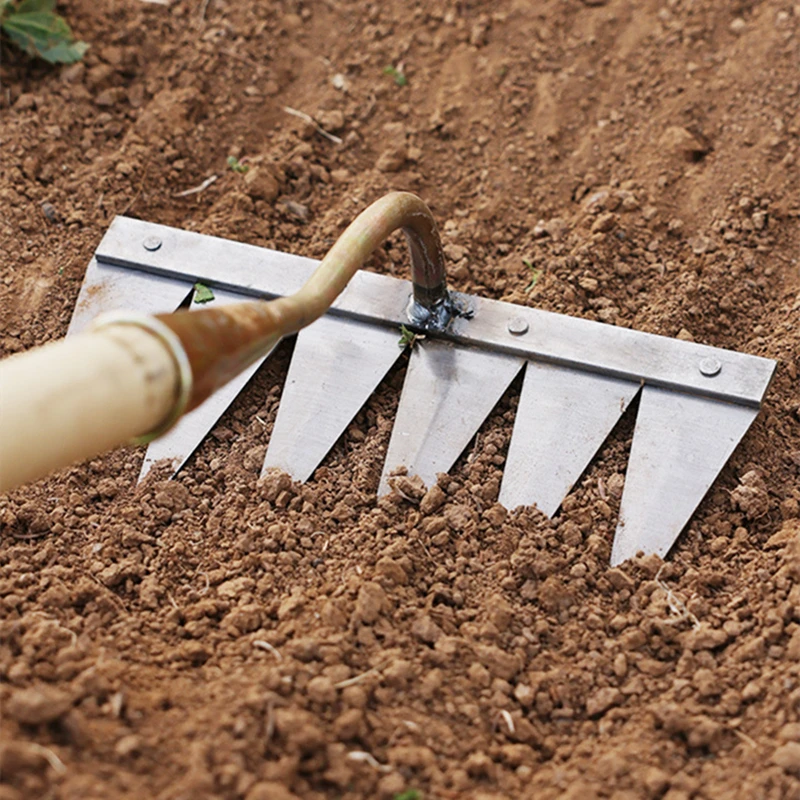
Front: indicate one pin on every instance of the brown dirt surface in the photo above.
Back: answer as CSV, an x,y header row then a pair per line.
x,y
222,636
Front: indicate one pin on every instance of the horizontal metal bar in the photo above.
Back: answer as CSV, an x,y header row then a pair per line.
x,y
495,325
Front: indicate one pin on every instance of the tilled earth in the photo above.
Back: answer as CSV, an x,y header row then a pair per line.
x,y
225,636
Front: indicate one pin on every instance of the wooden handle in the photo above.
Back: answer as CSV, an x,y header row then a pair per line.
x,y
78,397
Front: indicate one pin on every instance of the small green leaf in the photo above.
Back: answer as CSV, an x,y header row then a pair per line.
x,y
34,28
535,274
410,794
408,338
399,78
31,6
202,294
237,165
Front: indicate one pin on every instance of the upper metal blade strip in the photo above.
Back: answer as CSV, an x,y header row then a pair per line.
x,y
539,335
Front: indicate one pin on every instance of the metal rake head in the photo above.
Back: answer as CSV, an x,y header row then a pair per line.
x,y
695,402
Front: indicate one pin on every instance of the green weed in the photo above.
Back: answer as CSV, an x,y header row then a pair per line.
x,y
536,273
237,165
202,294
408,338
34,27
396,73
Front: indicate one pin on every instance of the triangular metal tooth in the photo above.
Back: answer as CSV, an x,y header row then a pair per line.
x,y
564,416
109,288
336,365
448,393
680,444
180,441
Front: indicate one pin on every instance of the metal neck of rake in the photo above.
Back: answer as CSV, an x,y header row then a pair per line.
x,y
430,305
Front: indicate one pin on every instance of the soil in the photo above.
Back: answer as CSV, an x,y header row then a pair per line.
x,y
225,636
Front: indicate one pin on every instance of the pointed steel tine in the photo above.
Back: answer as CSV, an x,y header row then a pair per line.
x,y
109,288
448,393
185,437
564,416
680,444
336,365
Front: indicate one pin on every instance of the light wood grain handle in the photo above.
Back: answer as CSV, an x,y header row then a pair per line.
x,y
78,397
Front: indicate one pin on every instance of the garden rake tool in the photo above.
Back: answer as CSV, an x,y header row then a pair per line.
x,y
133,374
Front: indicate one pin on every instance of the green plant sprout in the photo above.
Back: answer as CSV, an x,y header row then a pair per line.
x,y
408,338
202,294
410,794
237,165
396,73
536,273
34,27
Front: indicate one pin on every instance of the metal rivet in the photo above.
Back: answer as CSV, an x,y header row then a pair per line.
x,y
517,326
152,243
710,367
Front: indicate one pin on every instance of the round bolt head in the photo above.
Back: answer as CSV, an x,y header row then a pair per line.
x,y
152,243
517,326
710,367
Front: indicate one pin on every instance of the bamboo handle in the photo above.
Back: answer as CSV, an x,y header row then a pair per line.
x,y
81,396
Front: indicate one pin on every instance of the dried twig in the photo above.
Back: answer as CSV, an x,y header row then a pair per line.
x,y
302,115
262,645
509,721
358,678
676,605
368,758
197,189
48,755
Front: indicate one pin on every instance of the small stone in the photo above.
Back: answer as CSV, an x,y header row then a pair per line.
x,y
498,662
25,102
349,724
392,159
684,335
681,143
321,690
787,757
433,499
297,210
655,781
426,630
410,488
390,569
790,732
751,496
37,706
789,532
737,26
702,244
331,121
261,184
235,588
604,223
272,484
793,648
706,638
49,211
619,580
128,745
602,700
459,517
270,790
588,284
370,603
